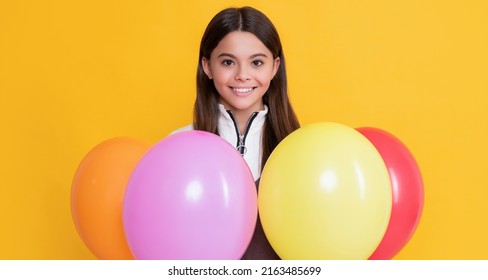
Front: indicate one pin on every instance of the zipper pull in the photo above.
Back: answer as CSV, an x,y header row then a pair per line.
x,y
241,148
242,137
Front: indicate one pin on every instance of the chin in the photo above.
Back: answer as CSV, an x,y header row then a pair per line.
x,y
242,104
242,107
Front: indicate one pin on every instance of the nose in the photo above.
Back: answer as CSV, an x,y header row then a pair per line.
x,y
242,73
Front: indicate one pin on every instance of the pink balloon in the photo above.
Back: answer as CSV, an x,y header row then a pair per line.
x,y
407,192
192,196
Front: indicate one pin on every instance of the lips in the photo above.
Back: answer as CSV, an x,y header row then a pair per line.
x,y
242,91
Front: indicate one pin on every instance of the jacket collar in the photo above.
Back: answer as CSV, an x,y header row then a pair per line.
x,y
226,123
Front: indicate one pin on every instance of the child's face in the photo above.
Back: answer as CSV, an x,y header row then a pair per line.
x,y
241,67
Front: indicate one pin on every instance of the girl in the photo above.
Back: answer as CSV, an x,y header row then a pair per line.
x,y
242,93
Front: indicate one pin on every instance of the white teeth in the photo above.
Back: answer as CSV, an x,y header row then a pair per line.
x,y
242,90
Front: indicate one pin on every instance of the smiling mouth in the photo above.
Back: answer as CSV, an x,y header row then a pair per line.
x,y
242,91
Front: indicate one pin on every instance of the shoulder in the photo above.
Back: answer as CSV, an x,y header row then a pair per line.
x,y
185,128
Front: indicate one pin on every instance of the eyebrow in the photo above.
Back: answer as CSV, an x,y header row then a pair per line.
x,y
233,56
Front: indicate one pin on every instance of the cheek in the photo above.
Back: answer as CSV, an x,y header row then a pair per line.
x,y
265,78
222,76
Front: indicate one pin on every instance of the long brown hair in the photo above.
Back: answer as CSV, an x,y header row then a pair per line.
x,y
281,119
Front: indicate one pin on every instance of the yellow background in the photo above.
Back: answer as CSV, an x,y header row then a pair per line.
x,y
75,73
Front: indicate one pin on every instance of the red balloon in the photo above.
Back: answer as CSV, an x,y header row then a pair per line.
x,y
407,192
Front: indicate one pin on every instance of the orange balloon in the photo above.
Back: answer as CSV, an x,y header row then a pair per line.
x,y
97,196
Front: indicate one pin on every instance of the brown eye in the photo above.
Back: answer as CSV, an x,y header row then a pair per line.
x,y
227,62
257,63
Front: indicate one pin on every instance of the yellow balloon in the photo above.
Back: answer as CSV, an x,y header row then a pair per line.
x,y
325,193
